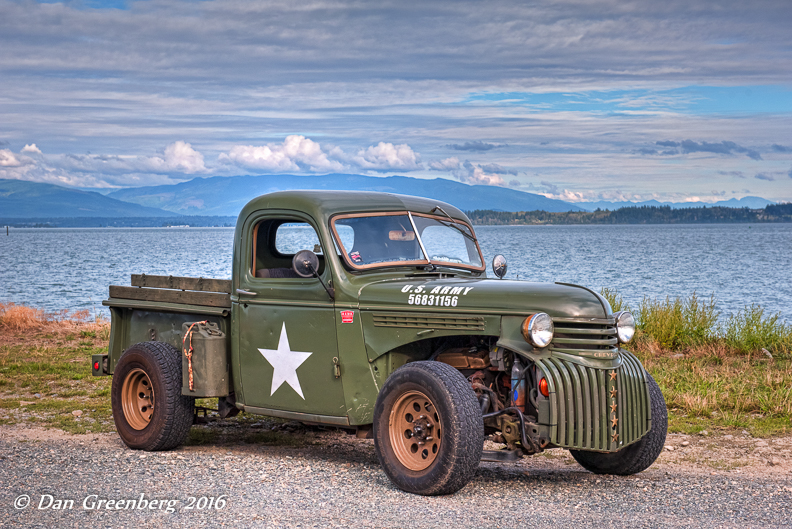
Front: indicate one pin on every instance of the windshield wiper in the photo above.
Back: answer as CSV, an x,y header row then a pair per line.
x,y
453,224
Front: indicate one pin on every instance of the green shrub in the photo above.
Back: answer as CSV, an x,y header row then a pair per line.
x,y
688,323
615,299
678,323
749,331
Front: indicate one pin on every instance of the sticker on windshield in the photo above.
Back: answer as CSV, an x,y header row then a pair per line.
x,y
440,296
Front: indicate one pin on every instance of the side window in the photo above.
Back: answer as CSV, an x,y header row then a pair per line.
x,y
275,241
295,236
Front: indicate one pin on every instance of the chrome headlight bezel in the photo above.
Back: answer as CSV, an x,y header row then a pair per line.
x,y
538,330
625,326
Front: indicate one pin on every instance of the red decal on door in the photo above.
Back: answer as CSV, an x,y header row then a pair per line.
x,y
347,316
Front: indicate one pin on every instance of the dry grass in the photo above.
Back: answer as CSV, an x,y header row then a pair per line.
x,y
45,371
723,391
22,318
21,323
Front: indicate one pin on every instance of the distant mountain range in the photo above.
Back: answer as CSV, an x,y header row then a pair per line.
x,y
745,202
227,195
22,199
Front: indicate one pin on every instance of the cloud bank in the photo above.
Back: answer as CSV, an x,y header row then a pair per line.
x,y
179,161
569,92
724,147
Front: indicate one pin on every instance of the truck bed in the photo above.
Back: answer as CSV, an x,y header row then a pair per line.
x,y
195,291
155,307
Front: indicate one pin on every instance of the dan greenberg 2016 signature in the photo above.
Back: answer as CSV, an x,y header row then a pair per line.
x,y
93,502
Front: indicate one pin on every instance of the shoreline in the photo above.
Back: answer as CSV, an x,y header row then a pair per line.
x,y
652,215
713,387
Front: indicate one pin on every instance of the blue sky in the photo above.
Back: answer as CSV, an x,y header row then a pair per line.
x,y
578,100
690,100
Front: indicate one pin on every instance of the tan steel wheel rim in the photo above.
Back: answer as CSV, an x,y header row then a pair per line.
x,y
415,430
137,399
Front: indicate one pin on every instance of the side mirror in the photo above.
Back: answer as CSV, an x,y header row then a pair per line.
x,y
499,266
305,263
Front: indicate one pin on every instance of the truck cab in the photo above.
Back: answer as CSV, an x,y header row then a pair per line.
x,y
373,312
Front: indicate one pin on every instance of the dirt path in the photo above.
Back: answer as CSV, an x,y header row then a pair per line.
x,y
333,479
711,454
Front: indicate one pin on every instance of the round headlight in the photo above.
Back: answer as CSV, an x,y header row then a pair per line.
x,y
538,329
625,326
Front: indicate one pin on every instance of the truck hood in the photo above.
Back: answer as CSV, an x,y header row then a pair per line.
x,y
484,296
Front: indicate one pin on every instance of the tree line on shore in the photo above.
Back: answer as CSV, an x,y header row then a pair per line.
x,y
194,221
636,215
480,217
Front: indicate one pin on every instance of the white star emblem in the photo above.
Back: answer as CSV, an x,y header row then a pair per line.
x,y
285,362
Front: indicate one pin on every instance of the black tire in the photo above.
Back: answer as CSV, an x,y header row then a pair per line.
x,y
164,425
639,456
452,453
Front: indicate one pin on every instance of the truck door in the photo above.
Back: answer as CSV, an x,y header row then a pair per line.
x,y
285,327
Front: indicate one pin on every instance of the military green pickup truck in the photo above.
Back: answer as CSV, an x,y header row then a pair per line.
x,y
373,312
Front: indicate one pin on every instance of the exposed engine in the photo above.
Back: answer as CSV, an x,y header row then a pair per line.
x,y
507,390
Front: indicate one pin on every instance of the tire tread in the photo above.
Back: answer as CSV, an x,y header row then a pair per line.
x,y
463,450
178,408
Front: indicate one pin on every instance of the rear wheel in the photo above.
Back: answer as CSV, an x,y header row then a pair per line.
x,y
636,457
149,410
428,430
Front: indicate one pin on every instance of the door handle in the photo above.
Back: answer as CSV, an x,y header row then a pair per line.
x,y
245,292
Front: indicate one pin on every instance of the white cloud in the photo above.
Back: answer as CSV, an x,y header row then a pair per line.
x,y
474,174
448,164
102,170
9,159
301,154
385,156
31,148
470,173
180,156
574,196
295,154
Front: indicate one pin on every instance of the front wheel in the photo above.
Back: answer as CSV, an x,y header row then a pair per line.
x,y
428,429
639,456
149,410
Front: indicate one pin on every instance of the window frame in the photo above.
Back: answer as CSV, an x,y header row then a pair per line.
x,y
254,253
391,264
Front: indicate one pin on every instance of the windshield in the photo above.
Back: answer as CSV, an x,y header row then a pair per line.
x,y
387,239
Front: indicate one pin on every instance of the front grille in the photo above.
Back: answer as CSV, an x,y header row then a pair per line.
x,y
428,321
581,397
594,338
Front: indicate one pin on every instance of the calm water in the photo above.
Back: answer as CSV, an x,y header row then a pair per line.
x,y
741,264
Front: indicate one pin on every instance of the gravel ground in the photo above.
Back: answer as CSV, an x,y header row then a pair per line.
x,y
331,479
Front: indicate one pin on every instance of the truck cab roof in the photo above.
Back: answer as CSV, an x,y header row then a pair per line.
x,y
324,204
